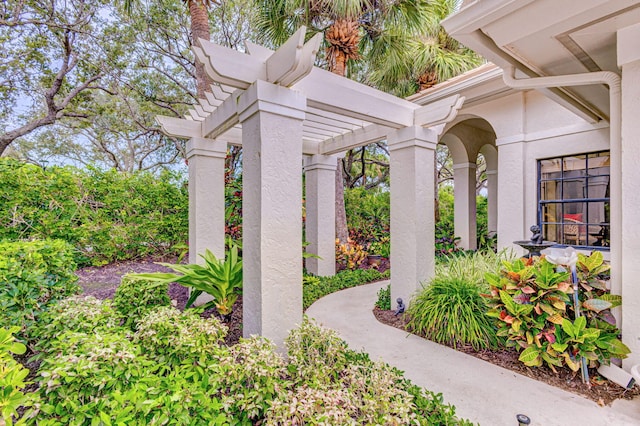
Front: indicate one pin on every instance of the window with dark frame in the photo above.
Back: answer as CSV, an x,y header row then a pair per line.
x,y
573,199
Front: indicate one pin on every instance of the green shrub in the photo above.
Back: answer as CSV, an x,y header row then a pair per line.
x,y
531,304
105,215
384,298
368,214
172,337
248,376
12,378
33,275
451,311
135,296
78,314
340,281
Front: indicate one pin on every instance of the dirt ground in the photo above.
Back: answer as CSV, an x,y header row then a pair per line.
x,y
602,390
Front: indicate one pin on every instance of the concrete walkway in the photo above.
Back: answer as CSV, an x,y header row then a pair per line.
x,y
481,391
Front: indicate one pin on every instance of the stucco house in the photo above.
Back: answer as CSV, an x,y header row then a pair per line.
x,y
556,115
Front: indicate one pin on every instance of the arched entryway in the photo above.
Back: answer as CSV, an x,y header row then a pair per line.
x,y
466,140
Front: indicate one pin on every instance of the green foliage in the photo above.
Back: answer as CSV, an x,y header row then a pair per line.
x,y
384,298
33,275
451,311
105,215
368,214
381,247
172,337
12,378
135,296
220,279
77,314
343,279
175,369
532,307
471,266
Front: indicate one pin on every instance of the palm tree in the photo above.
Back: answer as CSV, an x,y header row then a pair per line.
x,y
404,63
350,27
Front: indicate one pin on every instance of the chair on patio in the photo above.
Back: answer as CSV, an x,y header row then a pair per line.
x,y
579,233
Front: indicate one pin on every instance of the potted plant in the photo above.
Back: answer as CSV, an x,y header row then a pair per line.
x,y
378,250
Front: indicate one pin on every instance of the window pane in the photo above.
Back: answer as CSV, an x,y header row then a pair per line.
x,y
575,163
599,164
598,187
574,188
550,169
550,190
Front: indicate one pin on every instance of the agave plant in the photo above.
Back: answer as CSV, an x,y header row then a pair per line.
x,y
220,279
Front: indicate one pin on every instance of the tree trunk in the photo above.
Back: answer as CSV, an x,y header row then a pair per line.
x,y
342,232
200,29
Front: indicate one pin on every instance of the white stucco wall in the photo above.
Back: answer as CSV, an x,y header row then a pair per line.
x,y
530,127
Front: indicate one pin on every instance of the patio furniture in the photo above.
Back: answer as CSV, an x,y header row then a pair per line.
x,y
580,234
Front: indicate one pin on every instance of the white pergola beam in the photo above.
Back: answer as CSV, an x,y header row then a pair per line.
x,y
360,137
179,127
333,93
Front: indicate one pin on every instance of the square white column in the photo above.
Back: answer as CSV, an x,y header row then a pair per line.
x,y
271,118
464,187
206,200
412,155
625,264
511,226
320,225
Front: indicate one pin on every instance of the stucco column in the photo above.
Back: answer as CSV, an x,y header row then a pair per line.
x,y
271,118
511,186
492,201
206,197
412,153
206,200
320,222
629,62
464,190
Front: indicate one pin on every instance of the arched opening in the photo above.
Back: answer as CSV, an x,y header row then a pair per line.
x,y
473,166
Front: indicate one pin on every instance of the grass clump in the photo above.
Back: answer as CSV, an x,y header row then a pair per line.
x,y
452,312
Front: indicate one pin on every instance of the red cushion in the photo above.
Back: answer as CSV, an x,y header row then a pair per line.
x,y
576,216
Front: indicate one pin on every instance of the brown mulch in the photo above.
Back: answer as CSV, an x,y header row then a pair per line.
x,y
602,390
101,282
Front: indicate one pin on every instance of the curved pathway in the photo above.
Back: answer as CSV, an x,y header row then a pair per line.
x,y
481,391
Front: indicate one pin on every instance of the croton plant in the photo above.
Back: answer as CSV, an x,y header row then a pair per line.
x,y
531,302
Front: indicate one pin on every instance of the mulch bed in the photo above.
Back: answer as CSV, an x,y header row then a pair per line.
x,y
602,390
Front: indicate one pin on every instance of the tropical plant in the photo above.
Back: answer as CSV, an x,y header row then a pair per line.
x,y
532,308
452,311
406,61
12,378
471,266
221,279
350,255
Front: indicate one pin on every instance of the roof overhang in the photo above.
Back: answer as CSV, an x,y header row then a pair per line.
x,y
549,38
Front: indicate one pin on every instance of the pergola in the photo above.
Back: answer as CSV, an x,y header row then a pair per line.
x,y
290,117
